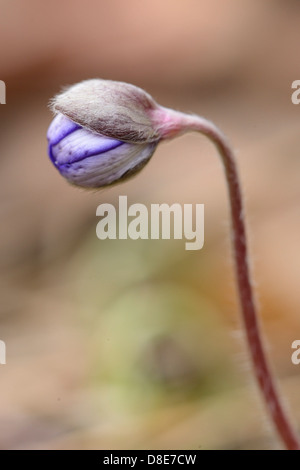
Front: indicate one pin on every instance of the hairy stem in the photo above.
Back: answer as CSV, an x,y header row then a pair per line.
x,y
173,124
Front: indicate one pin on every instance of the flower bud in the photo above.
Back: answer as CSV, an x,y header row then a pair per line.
x,y
105,131
93,160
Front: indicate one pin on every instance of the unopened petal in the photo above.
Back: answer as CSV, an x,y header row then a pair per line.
x,y
92,160
81,144
105,169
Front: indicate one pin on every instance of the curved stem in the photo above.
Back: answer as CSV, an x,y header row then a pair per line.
x,y
173,124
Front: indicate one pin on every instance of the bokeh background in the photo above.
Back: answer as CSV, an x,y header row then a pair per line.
x,y
138,344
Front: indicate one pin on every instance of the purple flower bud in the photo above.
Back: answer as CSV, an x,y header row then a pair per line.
x,y
92,160
105,131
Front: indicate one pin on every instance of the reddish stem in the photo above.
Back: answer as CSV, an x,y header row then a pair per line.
x,y
171,124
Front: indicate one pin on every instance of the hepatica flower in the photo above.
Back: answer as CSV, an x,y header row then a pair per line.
x,y
102,132
105,131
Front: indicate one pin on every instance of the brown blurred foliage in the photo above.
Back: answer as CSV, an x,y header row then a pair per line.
x,y
133,344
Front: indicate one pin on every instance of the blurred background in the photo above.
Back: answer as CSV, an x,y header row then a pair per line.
x,y
138,344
